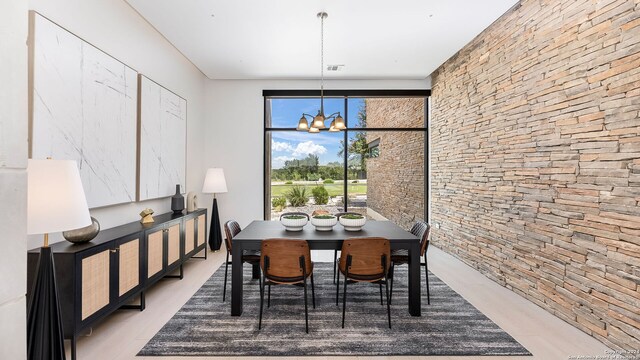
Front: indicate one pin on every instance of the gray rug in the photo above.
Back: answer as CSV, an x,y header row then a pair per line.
x,y
449,326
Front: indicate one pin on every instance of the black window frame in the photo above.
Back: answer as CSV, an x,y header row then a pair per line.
x,y
346,94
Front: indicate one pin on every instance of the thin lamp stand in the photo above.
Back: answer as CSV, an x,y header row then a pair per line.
x,y
215,234
44,322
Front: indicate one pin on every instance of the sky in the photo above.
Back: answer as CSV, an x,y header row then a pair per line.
x,y
289,145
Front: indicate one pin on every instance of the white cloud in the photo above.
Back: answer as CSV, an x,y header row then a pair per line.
x,y
308,147
280,146
301,150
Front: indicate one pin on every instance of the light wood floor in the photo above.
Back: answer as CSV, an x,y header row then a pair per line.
x,y
124,333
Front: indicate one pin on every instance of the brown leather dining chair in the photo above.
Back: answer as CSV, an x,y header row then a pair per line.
x,y
286,262
335,252
401,256
364,260
231,229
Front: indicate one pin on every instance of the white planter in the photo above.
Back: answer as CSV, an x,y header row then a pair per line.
x,y
353,224
324,224
293,224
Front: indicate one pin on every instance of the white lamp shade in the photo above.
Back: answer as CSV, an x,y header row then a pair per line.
x,y
55,197
214,182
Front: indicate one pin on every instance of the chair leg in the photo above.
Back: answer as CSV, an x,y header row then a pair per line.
x,y
306,307
391,279
337,288
386,287
226,269
381,303
426,276
313,292
261,302
344,296
269,297
335,259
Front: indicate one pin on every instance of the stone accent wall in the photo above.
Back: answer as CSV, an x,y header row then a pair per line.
x,y
536,160
395,179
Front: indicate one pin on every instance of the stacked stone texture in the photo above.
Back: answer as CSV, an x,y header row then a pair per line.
x,y
395,179
536,160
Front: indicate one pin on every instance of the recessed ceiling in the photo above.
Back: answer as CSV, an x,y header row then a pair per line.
x,y
280,39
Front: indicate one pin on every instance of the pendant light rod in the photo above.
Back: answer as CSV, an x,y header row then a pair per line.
x,y
317,121
322,15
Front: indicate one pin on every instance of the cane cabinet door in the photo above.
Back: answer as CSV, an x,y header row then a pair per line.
x,y
189,235
155,252
95,271
129,265
202,233
173,243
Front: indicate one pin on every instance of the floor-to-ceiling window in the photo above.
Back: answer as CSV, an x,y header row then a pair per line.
x,y
376,167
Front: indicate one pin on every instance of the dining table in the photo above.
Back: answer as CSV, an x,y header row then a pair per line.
x,y
250,238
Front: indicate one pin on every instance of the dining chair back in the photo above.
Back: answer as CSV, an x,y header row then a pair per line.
x,y
421,229
367,259
280,260
231,229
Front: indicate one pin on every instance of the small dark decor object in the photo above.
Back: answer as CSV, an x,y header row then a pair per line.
x,y
83,235
177,201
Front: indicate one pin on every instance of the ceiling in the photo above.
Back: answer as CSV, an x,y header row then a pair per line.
x,y
280,39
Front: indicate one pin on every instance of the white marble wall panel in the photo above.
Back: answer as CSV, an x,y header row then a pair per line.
x,y
163,129
84,109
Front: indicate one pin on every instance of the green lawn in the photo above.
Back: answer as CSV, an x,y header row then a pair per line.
x,y
332,189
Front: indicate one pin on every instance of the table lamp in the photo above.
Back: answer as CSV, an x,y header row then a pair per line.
x,y
55,202
214,183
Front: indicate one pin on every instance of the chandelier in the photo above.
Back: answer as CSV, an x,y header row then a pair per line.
x,y
317,122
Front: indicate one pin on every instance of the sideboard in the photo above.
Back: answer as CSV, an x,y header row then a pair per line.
x,y
98,277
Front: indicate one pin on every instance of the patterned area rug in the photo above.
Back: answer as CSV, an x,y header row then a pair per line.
x,y
449,326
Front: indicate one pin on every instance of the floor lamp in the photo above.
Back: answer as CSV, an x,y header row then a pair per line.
x,y
55,203
214,183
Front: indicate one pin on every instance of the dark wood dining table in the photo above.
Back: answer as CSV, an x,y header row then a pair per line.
x,y
251,237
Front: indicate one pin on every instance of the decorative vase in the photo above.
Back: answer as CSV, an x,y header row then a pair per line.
x,y
177,201
192,201
83,235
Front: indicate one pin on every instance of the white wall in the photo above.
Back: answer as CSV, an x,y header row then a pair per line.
x,y
116,28
13,178
234,128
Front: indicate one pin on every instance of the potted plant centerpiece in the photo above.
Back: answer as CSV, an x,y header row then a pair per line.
x,y
324,222
294,221
352,222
